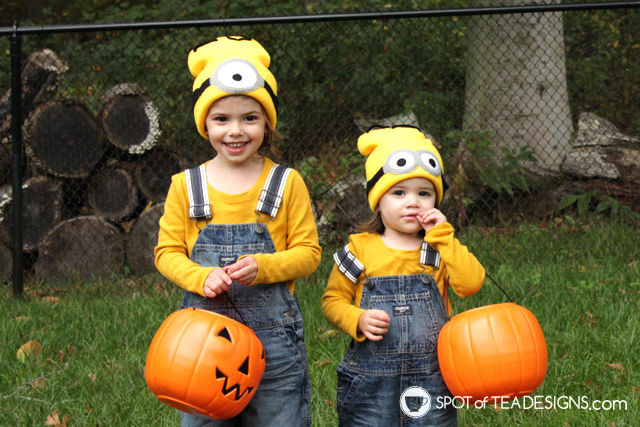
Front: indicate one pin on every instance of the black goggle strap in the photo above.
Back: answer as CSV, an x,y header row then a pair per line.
x,y
348,264
205,84
374,180
199,207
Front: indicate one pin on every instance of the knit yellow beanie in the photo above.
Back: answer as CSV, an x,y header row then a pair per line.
x,y
233,65
395,154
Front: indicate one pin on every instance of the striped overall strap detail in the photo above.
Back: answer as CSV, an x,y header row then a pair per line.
x,y
348,264
429,256
199,207
273,190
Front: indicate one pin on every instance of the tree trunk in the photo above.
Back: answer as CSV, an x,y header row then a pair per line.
x,y
41,207
112,194
142,239
41,76
63,139
154,170
129,119
516,83
81,248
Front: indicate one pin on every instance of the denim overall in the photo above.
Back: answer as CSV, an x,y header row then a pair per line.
x,y
271,310
395,381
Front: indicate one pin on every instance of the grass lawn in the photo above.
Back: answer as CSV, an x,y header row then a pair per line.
x,y
581,281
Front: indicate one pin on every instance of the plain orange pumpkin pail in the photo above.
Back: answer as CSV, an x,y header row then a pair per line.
x,y
490,351
204,363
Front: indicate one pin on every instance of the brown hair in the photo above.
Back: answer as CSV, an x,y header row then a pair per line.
x,y
373,225
268,143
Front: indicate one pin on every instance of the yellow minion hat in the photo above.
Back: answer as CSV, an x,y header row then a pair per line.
x,y
233,65
398,153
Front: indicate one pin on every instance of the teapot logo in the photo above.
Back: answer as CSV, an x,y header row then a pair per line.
x,y
415,402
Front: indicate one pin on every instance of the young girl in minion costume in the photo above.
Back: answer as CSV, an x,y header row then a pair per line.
x,y
238,230
387,285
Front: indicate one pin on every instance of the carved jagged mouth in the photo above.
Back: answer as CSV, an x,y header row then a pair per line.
x,y
236,387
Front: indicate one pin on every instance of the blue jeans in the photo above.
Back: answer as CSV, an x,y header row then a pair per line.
x,y
396,381
283,396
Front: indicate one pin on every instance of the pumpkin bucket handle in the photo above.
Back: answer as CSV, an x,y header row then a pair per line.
x,y
499,287
232,306
446,294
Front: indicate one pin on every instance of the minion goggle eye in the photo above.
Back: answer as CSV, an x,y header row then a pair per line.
x,y
403,161
236,76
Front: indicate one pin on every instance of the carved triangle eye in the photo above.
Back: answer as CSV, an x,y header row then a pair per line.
x,y
244,368
224,333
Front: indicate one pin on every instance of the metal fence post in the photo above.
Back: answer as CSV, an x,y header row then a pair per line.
x,y
16,160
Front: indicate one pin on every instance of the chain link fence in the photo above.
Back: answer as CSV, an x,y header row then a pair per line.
x,y
533,113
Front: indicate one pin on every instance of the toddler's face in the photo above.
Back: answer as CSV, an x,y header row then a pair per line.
x,y
401,204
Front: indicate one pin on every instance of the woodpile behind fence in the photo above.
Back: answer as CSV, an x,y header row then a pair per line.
x,y
94,184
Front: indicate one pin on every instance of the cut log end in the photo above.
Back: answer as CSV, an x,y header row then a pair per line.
x,y
154,170
129,119
69,251
6,263
41,211
63,138
142,240
112,193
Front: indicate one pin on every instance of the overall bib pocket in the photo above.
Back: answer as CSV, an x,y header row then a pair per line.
x,y
214,255
413,328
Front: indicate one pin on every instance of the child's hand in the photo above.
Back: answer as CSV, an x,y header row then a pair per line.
x,y
374,324
243,271
430,218
216,283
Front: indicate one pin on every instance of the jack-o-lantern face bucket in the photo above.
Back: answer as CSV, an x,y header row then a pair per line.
x,y
204,363
491,351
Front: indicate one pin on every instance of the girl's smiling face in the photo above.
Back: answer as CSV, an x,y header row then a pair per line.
x,y
401,204
236,127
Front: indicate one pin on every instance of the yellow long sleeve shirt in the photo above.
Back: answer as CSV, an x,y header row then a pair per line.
x,y
293,232
458,266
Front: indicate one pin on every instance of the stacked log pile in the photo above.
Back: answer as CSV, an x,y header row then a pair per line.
x,y
94,184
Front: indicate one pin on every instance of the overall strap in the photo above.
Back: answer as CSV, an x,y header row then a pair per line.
x,y
199,207
429,256
348,264
273,190
351,267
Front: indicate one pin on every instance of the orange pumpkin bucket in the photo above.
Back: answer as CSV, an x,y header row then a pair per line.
x,y
204,363
491,351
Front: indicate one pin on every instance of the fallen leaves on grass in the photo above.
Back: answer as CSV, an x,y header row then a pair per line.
x,y
592,319
54,420
616,366
39,383
28,349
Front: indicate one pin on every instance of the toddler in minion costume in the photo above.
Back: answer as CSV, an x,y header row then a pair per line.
x,y
238,229
388,285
